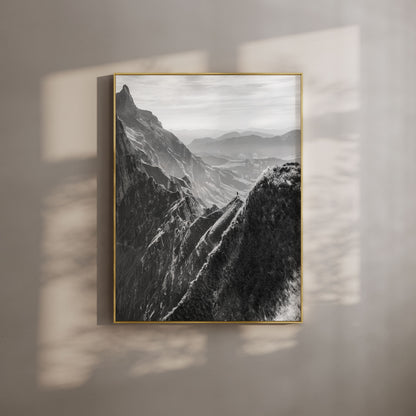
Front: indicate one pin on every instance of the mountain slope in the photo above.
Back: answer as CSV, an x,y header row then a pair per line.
x,y
146,200
175,256
164,150
254,272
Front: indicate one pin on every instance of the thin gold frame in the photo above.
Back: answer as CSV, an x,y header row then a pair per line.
x,y
300,74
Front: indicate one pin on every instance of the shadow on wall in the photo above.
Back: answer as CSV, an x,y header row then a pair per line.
x,y
76,289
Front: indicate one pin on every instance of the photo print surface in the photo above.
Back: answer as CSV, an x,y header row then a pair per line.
x,y
207,198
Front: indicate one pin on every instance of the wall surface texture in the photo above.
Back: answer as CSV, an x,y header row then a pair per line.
x,y
354,353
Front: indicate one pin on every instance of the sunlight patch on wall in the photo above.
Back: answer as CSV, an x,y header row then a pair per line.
x,y
68,351
73,350
69,101
259,340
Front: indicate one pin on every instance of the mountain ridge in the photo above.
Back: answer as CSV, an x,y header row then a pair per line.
x,y
253,273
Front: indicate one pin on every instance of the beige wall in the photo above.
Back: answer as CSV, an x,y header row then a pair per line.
x,y
354,354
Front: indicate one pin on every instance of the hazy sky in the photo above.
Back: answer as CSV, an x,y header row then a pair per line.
x,y
223,102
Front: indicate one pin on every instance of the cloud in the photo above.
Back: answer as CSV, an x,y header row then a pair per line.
x,y
223,102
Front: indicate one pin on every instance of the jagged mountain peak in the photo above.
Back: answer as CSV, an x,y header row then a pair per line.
x,y
128,111
124,97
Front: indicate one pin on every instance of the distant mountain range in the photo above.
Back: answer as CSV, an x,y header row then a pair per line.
x,y
188,247
250,146
187,136
231,134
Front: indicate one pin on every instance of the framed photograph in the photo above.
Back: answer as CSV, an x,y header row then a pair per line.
x,y
207,198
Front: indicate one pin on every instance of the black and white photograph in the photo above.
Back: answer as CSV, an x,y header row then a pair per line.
x,y
207,198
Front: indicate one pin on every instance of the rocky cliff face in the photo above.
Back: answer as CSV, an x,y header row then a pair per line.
x,y
149,203
164,150
253,273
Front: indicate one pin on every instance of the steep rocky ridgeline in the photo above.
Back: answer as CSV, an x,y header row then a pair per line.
x,y
147,200
202,237
174,256
254,272
164,150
